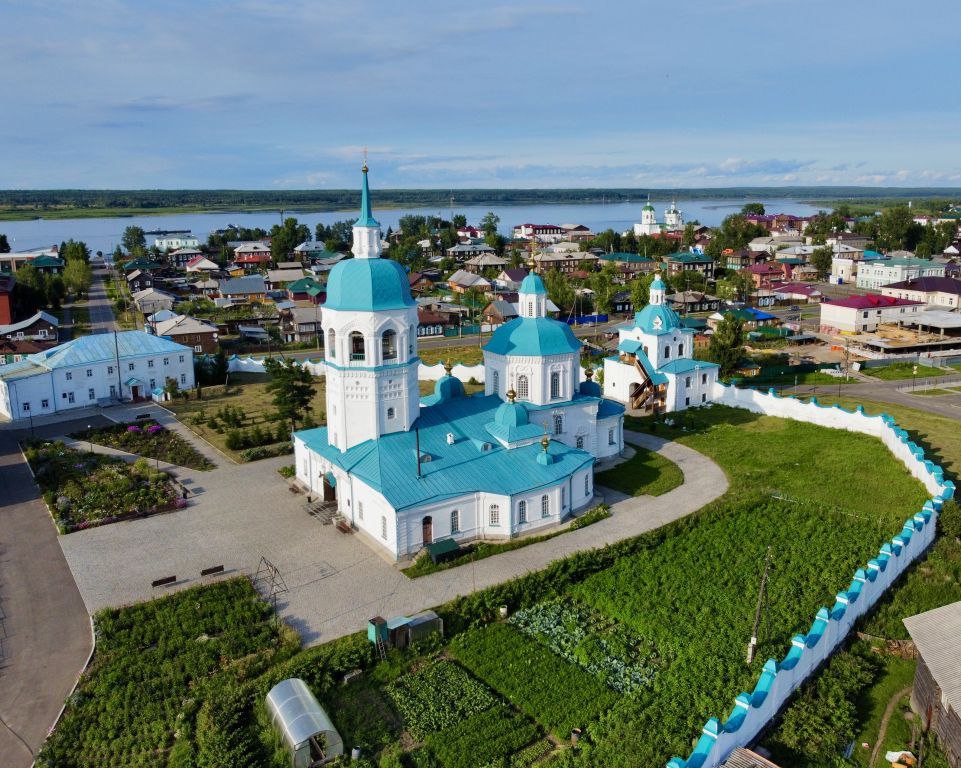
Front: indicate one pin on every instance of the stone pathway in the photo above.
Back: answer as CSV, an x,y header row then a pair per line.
x,y
336,582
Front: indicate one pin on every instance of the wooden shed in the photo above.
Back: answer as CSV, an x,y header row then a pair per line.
x,y
936,695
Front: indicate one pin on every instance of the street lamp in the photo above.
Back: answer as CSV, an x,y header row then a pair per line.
x,y
89,438
914,377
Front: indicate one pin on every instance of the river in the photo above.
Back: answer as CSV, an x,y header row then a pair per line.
x,y
103,234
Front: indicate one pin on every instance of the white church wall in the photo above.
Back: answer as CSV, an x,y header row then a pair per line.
x,y
779,679
618,377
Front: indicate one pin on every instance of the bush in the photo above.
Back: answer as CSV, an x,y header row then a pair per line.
x,y
287,471
266,451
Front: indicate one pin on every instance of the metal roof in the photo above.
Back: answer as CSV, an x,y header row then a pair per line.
x,y
298,716
28,322
389,464
368,285
101,347
745,758
533,337
937,635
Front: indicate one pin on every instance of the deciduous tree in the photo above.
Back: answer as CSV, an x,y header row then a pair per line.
x,y
727,344
134,239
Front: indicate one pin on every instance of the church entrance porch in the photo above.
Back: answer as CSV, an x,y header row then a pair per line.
x,y
329,487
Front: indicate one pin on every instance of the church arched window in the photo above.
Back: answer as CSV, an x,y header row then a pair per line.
x,y
388,345
530,309
545,506
356,345
680,350
331,344
522,388
522,512
495,381
555,385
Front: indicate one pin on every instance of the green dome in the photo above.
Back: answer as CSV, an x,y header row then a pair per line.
x,y
447,388
656,318
648,207
510,415
368,285
533,284
533,337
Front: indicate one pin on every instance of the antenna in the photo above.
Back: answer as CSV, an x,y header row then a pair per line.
x,y
761,600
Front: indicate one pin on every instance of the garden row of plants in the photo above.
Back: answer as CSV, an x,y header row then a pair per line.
x,y
148,439
83,489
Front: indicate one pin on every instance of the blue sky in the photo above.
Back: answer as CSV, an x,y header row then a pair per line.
x,y
279,94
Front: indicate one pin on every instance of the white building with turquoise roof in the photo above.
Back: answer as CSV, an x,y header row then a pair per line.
x,y
407,471
649,225
654,370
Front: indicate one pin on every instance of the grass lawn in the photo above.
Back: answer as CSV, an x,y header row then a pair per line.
x,y
938,435
896,371
810,378
933,392
466,354
646,473
896,675
248,393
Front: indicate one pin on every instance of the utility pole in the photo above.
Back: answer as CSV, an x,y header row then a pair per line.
x,y
761,601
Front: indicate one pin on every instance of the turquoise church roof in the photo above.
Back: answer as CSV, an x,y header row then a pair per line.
x,y
647,318
366,218
533,284
368,285
532,337
472,464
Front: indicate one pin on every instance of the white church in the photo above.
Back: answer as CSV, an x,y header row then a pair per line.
x,y
407,470
649,225
654,370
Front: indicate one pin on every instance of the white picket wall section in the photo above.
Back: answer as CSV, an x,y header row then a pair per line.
x,y
779,679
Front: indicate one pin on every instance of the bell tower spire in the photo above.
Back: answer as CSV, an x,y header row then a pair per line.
x,y
366,228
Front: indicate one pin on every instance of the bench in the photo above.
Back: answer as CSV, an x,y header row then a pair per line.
x,y
344,527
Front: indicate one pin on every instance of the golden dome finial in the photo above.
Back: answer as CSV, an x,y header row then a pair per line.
x,y
448,367
589,373
511,395
545,441
364,168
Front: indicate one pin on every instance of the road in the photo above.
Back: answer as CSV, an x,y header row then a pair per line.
x,y
45,636
102,319
948,406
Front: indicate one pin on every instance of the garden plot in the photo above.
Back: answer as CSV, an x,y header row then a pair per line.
x,y
83,489
148,439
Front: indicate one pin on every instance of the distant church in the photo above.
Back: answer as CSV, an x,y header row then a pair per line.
x,y
408,471
649,225
654,370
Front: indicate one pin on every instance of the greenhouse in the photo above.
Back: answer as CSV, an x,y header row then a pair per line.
x,y
306,729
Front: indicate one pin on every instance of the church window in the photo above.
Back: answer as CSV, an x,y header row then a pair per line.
x,y
360,510
680,350
390,413
667,352
587,484
383,527
331,344
455,521
495,514
555,385
522,512
610,436
579,442
545,506
522,387
563,499
530,309
495,382
388,345
356,346
703,378
687,381
558,424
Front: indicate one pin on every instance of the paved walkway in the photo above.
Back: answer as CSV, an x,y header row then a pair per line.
x,y
44,628
336,582
948,406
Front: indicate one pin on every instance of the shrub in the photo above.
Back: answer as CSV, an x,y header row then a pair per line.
x,y
287,471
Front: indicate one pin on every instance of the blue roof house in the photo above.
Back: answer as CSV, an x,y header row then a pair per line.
x,y
93,370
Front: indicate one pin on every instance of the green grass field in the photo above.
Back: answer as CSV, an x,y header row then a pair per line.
x,y
897,371
645,473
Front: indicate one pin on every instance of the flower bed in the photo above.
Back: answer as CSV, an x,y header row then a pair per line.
x,y
148,439
83,490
